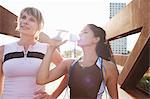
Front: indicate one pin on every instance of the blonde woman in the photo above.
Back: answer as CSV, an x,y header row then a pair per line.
x,y
20,61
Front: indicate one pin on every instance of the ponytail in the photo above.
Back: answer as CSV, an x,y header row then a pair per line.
x,y
103,50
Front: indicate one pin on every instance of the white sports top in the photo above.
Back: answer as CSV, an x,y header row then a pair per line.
x,y
20,70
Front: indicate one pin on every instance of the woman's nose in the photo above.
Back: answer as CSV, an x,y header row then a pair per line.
x,y
25,21
80,34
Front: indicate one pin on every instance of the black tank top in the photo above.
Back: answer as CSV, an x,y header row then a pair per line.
x,y
85,82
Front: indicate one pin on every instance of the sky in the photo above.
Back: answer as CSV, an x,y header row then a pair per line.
x,y
64,14
70,15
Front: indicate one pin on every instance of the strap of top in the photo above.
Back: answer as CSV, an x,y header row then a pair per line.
x,y
99,63
72,65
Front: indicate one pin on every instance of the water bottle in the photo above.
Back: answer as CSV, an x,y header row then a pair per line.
x,y
65,35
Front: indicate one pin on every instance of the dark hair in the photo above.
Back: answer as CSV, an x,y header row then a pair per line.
x,y
102,48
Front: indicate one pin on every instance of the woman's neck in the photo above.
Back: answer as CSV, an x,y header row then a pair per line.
x,y
27,41
89,56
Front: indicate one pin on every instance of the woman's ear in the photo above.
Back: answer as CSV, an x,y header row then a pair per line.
x,y
96,39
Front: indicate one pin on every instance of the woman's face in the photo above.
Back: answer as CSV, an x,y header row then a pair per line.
x,y
87,37
28,24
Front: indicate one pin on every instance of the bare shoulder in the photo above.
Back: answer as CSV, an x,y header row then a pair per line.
x,y
111,68
110,71
68,62
109,64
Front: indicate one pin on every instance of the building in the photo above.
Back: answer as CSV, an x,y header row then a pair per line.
x,y
119,46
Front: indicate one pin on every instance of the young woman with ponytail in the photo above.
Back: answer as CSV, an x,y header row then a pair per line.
x,y
91,73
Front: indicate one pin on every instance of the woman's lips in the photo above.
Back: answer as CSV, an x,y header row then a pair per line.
x,y
25,27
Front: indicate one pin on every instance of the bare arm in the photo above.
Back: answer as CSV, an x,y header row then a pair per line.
x,y
1,71
111,75
56,59
44,75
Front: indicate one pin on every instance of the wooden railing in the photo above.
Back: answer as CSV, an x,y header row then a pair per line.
x,y
134,18
8,22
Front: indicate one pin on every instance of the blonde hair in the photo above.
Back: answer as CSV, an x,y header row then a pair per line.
x,y
35,13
